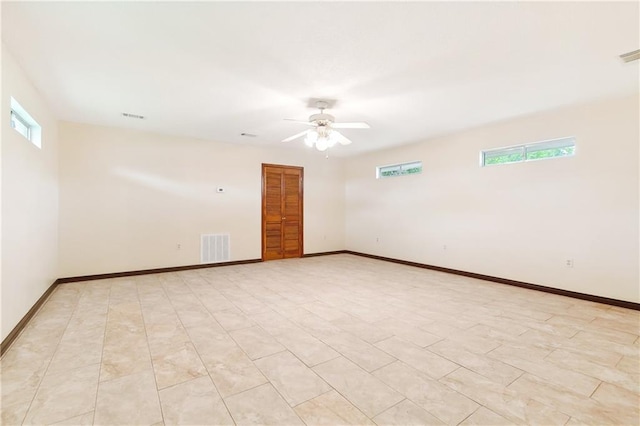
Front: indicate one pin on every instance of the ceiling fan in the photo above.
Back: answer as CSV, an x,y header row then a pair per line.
x,y
323,134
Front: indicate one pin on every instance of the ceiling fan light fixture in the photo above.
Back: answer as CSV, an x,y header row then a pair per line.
x,y
311,138
322,138
323,135
322,144
333,138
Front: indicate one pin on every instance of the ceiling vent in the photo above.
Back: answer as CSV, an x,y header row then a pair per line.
x,y
136,116
249,135
631,56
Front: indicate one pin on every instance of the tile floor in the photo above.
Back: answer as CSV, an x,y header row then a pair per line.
x,y
320,341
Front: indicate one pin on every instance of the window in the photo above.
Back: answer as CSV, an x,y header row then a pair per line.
x,y
564,147
399,169
20,125
24,124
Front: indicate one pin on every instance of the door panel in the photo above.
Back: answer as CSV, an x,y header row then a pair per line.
x,y
282,207
272,213
291,240
274,237
292,212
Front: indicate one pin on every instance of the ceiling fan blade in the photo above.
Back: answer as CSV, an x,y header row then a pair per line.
x,y
296,136
354,125
343,140
300,121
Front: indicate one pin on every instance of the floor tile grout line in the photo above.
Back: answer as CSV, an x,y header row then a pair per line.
x,y
74,416
441,383
460,365
580,372
104,339
268,355
200,358
246,390
53,353
342,395
146,335
394,405
369,373
533,398
276,390
595,390
457,391
306,366
261,372
206,308
423,349
471,414
317,396
269,381
363,341
522,371
500,412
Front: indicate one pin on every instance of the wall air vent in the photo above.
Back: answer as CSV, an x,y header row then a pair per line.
x,y
139,117
214,248
249,135
630,56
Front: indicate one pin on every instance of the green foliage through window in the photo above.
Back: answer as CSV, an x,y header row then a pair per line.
x,y
399,169
551,152
536,151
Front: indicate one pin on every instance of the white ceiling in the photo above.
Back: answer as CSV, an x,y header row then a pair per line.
x,y
411,70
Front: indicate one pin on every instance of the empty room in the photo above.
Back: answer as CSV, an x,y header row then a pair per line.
x,y
320,213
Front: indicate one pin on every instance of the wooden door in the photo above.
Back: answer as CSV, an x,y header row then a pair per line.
x,y
281,211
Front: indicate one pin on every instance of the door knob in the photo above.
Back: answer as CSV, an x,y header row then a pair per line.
x,y
283,218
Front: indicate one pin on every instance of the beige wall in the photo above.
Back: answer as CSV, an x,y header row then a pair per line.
x,y
517,221
128,198
29,200
123,200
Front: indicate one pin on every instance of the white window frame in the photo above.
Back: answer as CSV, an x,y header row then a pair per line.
x,y
400,167
33,132
16,117
524,149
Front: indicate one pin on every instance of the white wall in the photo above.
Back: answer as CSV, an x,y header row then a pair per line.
x,y
517,221
128,198
29,200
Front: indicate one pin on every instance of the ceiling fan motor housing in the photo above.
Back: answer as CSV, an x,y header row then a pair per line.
x,y
322,118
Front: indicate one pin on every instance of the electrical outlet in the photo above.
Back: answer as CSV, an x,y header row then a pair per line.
x,y
568,263
444,247
377,239
178,246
